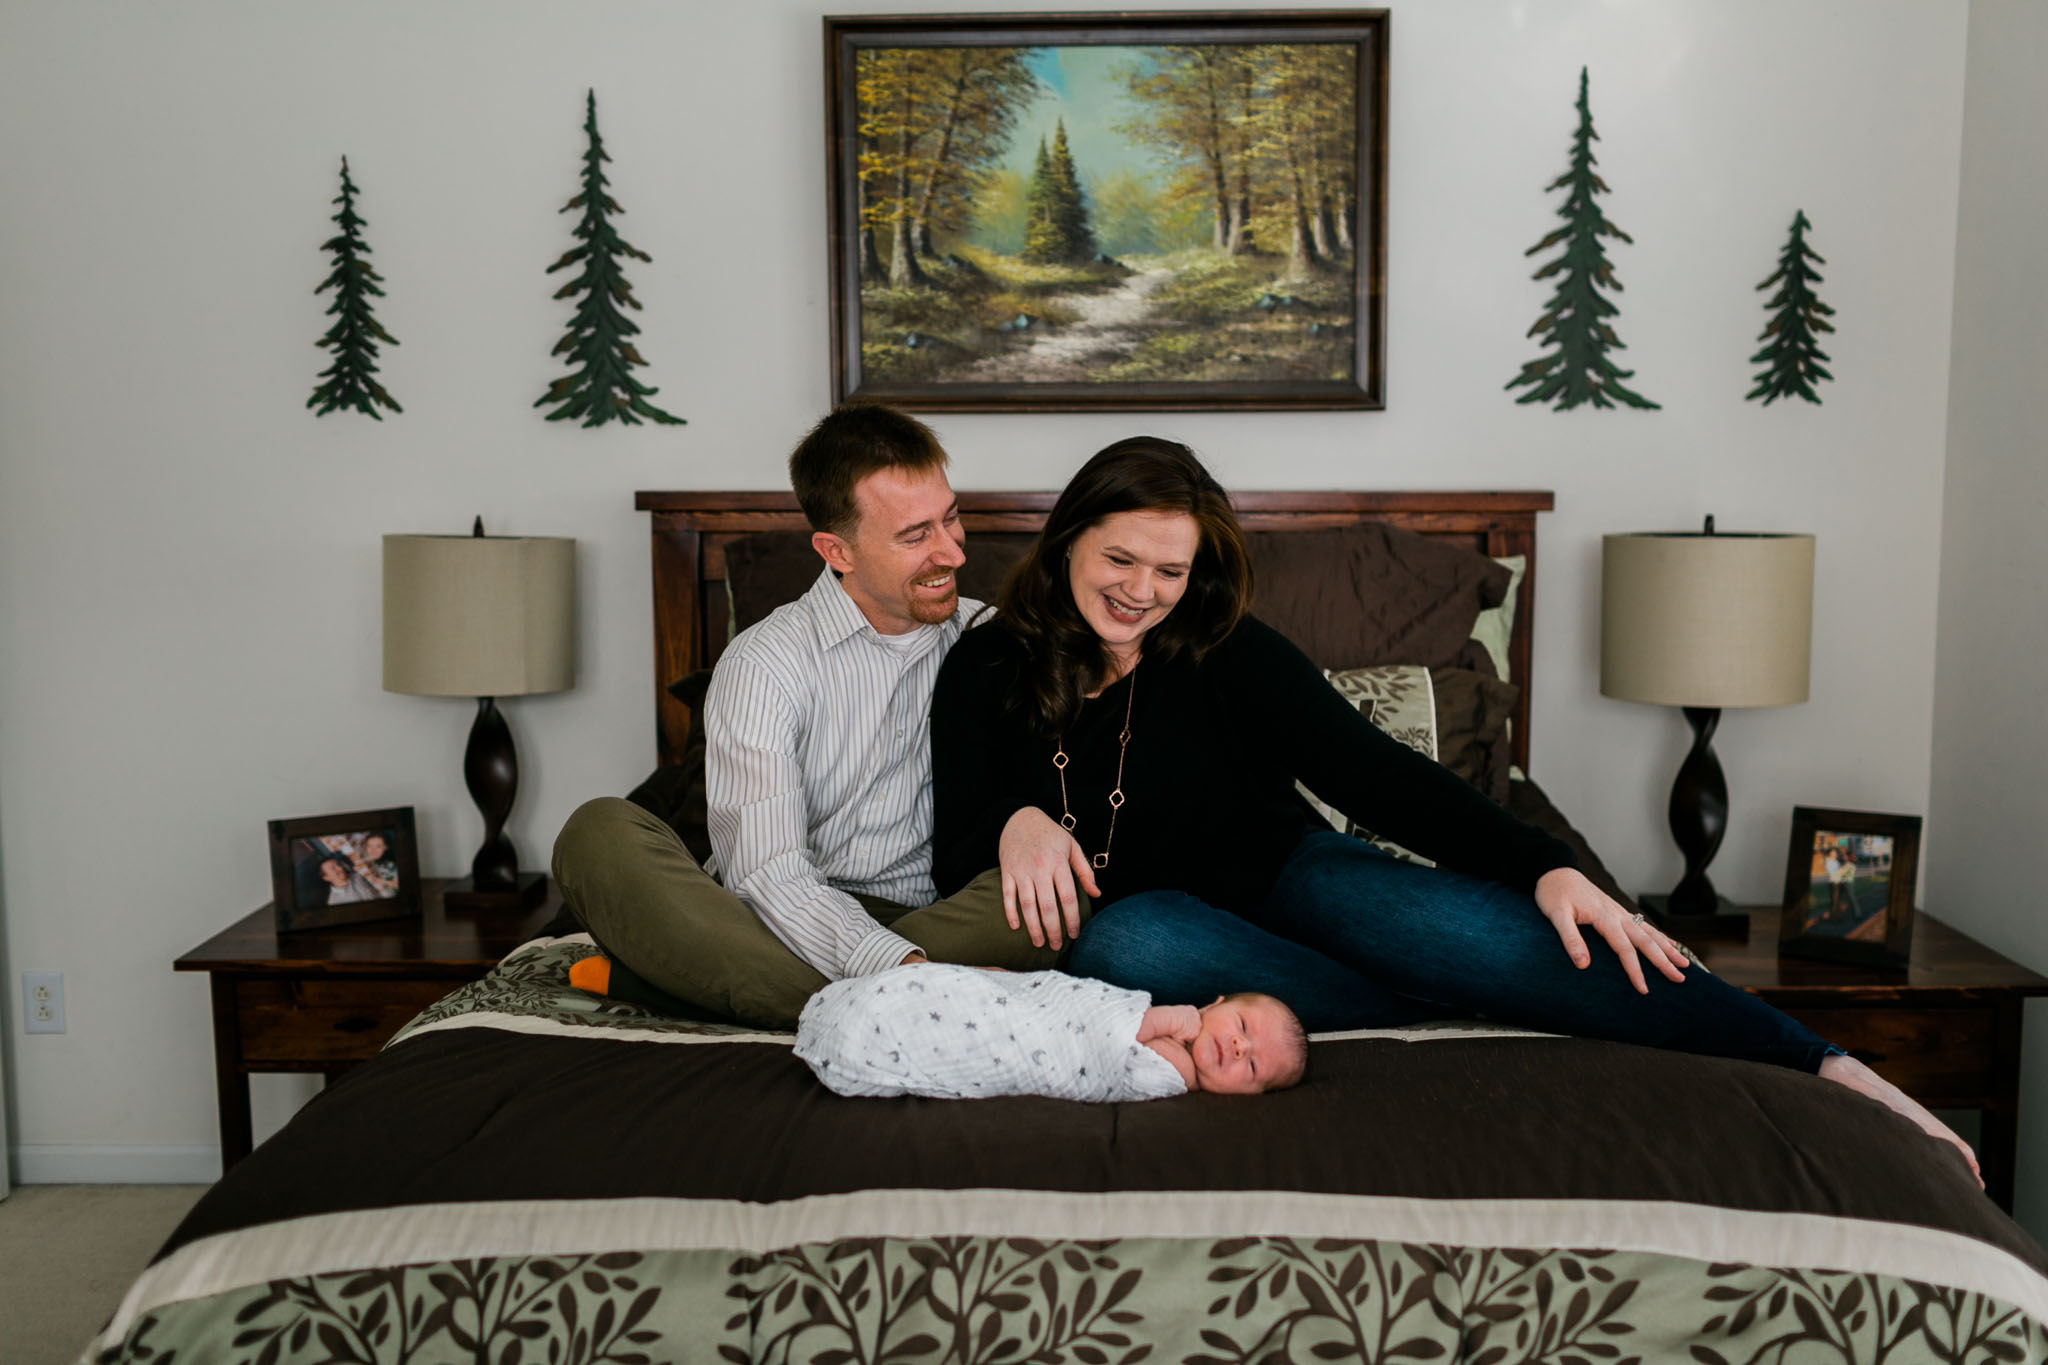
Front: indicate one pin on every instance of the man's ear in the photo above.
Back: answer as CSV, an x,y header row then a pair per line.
x,y
833,550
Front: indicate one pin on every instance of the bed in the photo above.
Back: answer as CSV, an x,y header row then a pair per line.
x,y
529,1173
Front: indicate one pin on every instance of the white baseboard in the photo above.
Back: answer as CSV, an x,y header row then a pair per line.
x,y
83,1163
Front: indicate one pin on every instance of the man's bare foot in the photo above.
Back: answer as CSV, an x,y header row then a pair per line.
x,y
1860,1078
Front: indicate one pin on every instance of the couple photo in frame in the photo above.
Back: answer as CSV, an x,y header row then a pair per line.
x,y
1849,882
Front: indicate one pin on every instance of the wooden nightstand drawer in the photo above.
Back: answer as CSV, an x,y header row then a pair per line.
x,y
1934,1055
326,999
320,1022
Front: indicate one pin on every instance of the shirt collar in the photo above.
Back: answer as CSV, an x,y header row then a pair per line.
x,y
837,617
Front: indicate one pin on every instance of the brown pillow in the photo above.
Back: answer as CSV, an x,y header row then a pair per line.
x,y
764,570
675,792
1527,803
769,568
1472,713
1372,594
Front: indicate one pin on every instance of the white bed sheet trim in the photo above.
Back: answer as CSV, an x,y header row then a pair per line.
x,y
427,1233
535,1024
1458,1030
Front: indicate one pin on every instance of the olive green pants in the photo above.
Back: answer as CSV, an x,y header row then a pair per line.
x,y
633,885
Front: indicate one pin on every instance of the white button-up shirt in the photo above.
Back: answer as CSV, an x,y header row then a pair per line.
x,y
818,774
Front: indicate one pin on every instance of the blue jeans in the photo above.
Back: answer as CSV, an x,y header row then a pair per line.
x,y
1352,938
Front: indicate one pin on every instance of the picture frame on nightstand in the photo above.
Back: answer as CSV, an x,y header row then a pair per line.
x,y
347,868
1849,881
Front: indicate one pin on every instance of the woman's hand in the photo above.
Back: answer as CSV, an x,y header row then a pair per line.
x,y
1568,900
1040,863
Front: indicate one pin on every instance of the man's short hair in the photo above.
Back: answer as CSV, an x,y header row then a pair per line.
x,y
853,441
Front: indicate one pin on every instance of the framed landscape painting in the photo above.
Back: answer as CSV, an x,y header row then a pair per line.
x,y
1145,212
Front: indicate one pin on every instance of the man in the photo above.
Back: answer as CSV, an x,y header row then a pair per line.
x,y
817,767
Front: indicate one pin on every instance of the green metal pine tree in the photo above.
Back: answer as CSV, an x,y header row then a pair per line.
x,y
352,340
1791,354
1575,369
602,388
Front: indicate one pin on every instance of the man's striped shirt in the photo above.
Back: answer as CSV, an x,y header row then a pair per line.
x,y
818,774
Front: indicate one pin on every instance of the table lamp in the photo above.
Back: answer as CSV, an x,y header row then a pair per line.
x,y
485,617
1704,620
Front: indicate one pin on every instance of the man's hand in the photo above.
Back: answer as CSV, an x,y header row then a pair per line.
x,y
911,957
1568,900
1040,863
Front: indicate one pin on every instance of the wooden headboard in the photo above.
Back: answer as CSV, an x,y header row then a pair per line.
x,y
691,530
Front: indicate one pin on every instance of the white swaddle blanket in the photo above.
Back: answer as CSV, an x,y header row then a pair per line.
x,y
951,1032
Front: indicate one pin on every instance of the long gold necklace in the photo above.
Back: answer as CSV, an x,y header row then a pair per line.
x,y
1116,796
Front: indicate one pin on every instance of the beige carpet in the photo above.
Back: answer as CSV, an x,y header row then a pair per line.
x,y
68,1253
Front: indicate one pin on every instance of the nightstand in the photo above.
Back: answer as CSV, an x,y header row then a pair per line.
x,y
326,999
1946,1030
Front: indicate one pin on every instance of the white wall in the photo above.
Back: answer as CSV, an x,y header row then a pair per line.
x,y
188,560
1989,804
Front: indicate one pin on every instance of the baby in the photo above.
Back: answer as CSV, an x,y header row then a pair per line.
x,y
951,1032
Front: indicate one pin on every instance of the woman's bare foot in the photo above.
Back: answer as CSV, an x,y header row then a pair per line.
x,y
1860,1078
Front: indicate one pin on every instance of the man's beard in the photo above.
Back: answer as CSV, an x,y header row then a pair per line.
x,y
933,611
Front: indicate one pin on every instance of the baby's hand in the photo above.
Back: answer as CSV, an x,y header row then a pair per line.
x,y
1182,1023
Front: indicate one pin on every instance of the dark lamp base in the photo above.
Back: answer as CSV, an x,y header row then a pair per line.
x,y
529,890
1728,922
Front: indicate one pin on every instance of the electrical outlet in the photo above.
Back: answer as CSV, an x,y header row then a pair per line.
x,y
42,998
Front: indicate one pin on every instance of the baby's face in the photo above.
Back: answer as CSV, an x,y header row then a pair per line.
x,y
1248,1043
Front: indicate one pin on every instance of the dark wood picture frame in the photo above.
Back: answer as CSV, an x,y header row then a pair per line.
x,y
296,912
1883,938
1363,384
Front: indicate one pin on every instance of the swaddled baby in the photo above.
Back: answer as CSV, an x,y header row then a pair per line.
x,y
951,1032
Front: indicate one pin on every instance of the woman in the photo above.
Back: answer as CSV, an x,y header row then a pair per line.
x,y
378,867
1123,727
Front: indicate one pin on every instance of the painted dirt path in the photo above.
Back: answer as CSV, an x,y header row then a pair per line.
x,y
1109,326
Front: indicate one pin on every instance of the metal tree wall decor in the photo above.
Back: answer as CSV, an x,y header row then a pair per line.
x,y
1575,327
1791,356
601,389
352,340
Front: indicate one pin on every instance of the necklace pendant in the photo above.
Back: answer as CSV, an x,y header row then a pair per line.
x,y
1067,823
1100,860
1059,758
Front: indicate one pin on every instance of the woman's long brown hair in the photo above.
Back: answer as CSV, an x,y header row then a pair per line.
x,y
1065,659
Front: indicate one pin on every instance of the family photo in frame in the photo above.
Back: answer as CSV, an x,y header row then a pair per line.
x,y
349,868
1125,211
1849,880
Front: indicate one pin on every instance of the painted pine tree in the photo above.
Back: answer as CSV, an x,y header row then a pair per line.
x,y
1070,209
1056,224
1791,355
1041,234
352,341
601,388
1575,324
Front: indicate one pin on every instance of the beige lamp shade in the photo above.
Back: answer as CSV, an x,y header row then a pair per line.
x,y
1707,620
479,616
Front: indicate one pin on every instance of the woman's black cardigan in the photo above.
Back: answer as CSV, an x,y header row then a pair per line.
x,y
1208,778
